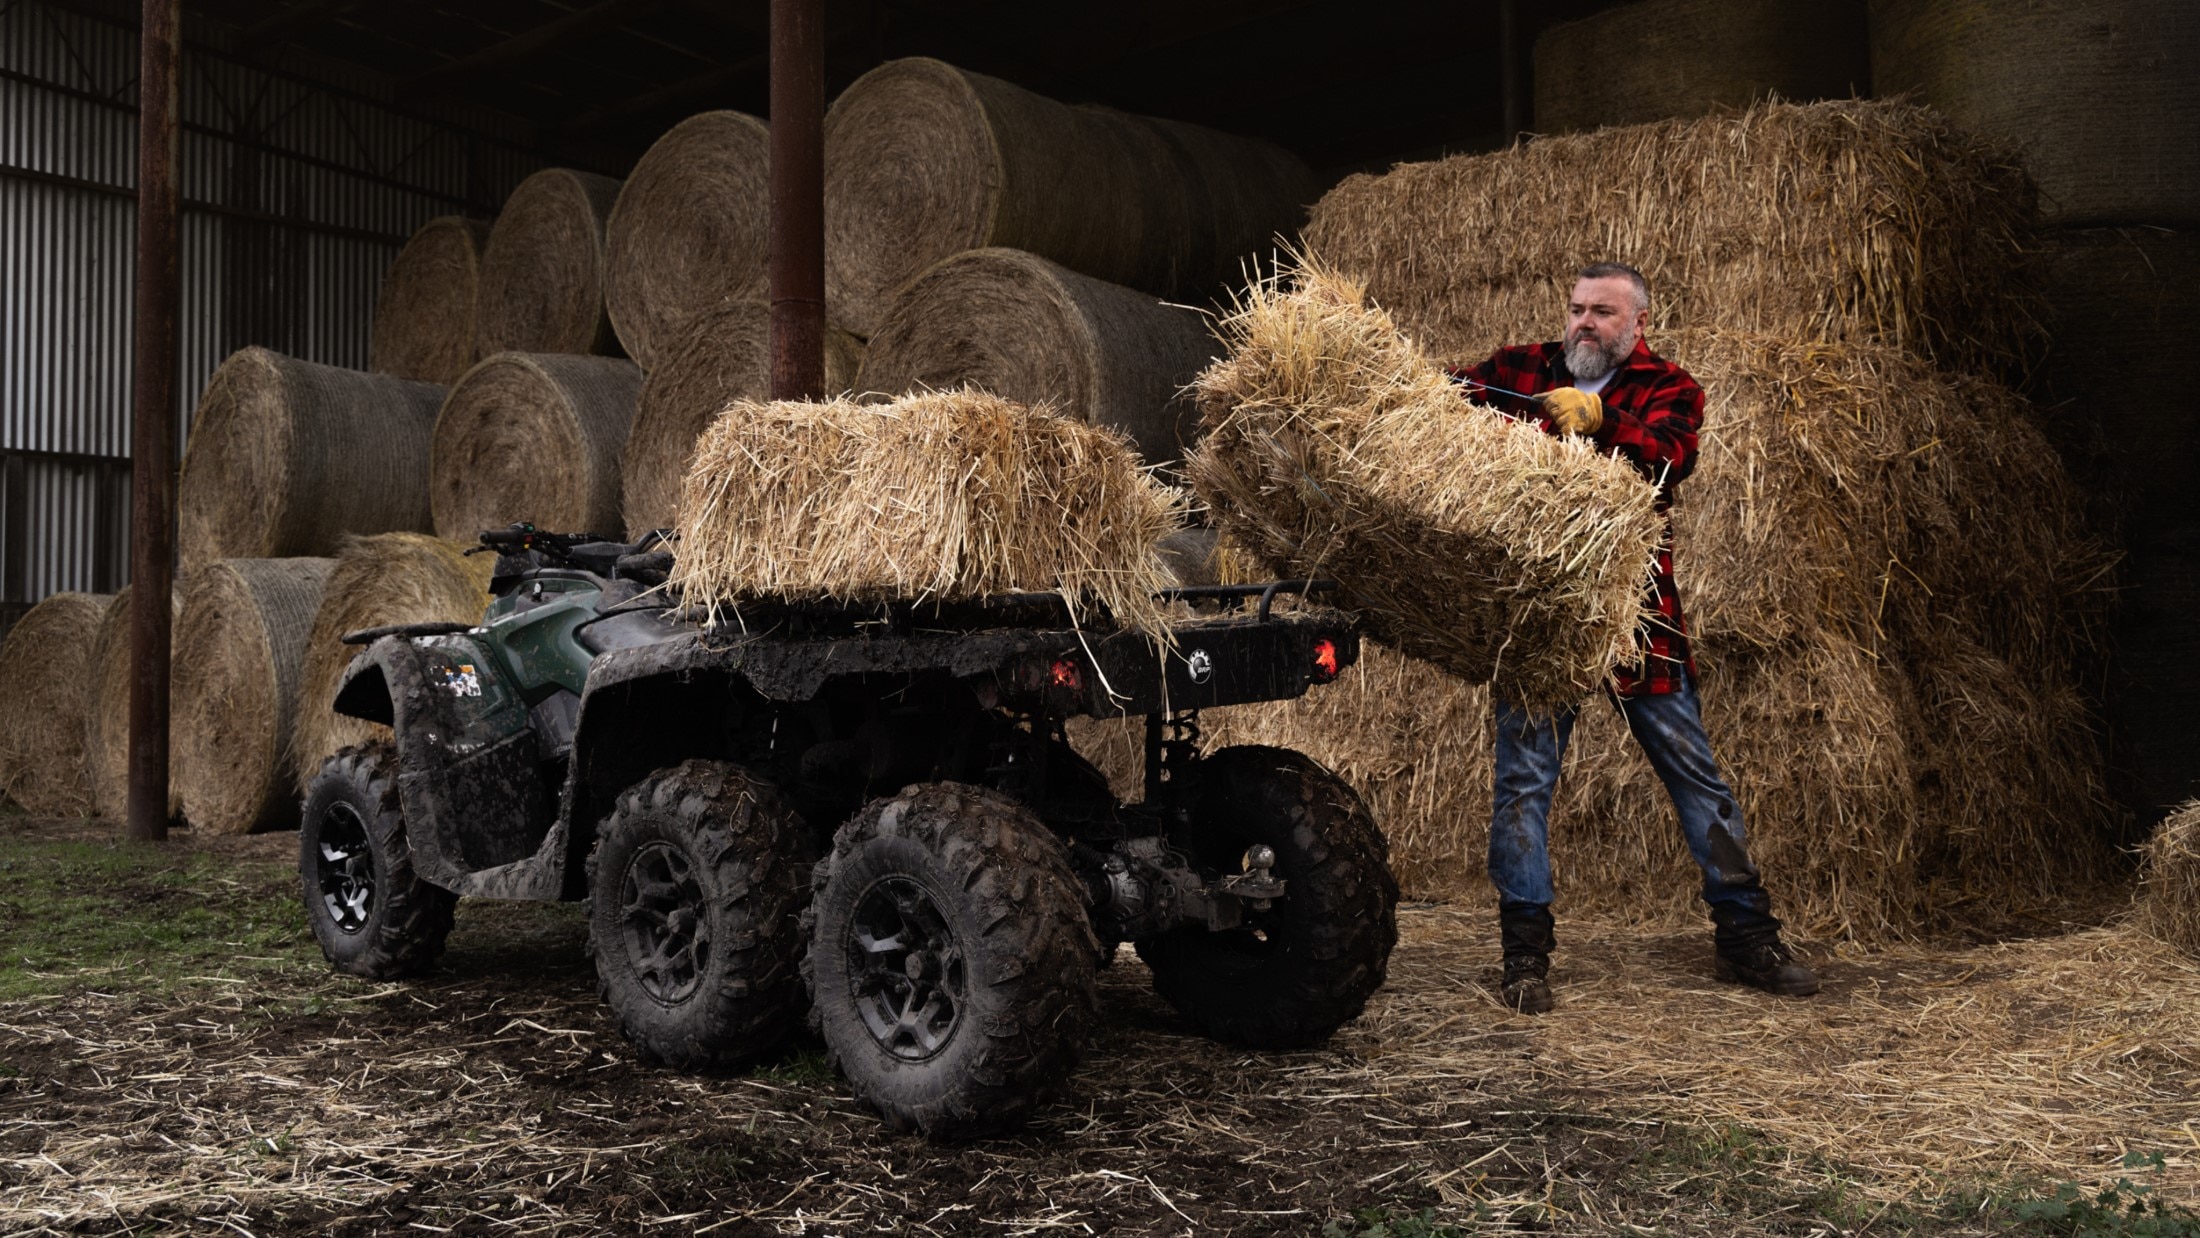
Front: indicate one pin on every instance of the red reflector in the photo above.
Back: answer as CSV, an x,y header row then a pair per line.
x,y
1065,675
1325,658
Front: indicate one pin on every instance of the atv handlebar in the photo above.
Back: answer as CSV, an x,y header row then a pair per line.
x,y
527,537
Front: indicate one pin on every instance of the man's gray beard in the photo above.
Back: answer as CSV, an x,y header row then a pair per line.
x,y
1590,360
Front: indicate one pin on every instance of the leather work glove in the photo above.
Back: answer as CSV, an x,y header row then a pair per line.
x,y
1573,410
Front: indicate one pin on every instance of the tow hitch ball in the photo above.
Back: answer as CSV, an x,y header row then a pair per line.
x,y
1150,889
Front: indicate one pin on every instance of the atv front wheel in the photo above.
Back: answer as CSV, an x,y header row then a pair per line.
x,y
1306,966
372,915
695,890
951,960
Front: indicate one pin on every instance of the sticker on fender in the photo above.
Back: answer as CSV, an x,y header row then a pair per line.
x,y
462,681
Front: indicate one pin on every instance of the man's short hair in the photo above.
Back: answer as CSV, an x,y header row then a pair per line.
x,y
1619,270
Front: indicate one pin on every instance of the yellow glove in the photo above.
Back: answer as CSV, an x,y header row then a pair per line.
x,y
1573,410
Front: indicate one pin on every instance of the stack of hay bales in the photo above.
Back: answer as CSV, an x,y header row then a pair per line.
x,y
1883,561
1684,58
534,437
542,274
47,666
425,317
107,721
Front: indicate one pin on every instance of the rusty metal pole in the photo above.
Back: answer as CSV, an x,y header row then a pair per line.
x,y
798,199
1512,73
153,428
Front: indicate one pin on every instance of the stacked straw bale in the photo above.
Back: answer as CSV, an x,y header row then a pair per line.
x,y
688,231
1335,446
287,457
107,721
1826,221
542,274
1036,332
424,319
945,495
2168,904
1682,58
376,581
46,674
534,437
716,357
240,650
924,160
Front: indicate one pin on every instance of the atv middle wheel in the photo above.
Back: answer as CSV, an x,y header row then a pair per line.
x,y
695,888
372,915
1306,966
951,960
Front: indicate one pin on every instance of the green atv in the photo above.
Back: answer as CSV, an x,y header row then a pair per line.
x,y
871,813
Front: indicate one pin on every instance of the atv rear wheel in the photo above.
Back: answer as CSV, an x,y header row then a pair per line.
x,y
695,889
1306,966
951,960
372,915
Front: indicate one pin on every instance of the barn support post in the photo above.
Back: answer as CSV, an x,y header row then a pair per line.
x,y
797,199
153,423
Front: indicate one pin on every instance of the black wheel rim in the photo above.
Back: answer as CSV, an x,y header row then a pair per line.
x,y
345,869
665,923
906,969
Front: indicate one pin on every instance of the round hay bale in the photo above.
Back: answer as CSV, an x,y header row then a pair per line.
x,y
533,437
286,457
240,648
107,720
424,318
689,231
1663,58
542,275
46,670
2098,95
718,356
2168,903
924,160
1023,327
390,578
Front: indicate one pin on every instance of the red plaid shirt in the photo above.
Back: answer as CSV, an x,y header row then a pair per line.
x,y
1652,409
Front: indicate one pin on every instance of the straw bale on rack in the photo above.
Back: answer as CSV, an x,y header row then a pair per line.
x,y
714,358
240,649
924,160
542,274
1335,447
424,317
46,673
2168,904
107,720
377,581
1034,331
946,495
688,231
1826,221
287,457
534,437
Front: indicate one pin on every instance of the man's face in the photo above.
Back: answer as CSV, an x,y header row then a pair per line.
x,y
1602,325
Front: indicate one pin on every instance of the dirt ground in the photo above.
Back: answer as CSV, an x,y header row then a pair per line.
x,y
1928,1089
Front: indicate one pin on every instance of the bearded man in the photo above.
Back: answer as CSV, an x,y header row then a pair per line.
x,y
1603,383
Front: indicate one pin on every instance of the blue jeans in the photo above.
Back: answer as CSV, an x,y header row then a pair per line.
x,y
1669,727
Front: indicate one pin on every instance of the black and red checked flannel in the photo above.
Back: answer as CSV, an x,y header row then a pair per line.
x,y
1652,410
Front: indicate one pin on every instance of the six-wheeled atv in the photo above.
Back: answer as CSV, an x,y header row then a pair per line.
x,y
869,811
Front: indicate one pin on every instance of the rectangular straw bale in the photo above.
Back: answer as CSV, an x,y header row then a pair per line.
x,y
1846,220
943,496
1335,447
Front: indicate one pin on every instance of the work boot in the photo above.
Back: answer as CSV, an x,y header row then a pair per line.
x,y
1527,934
1763,961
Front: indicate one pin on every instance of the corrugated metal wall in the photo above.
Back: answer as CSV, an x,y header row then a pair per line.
x,y
297,194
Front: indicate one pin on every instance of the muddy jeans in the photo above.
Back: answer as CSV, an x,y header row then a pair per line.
x,y
1530,750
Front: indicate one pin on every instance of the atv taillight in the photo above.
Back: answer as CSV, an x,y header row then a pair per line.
x,y
1325,660
1064,674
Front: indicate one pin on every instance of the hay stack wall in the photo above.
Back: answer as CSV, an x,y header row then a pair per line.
x,y
46,673
377,581
542,274
288,457
534,437
715,358
240,652
425,316
107,721
924,160
1684,58
688,232
1861,222
1036,332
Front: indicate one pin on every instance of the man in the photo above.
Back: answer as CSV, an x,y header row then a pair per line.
x,y
1604,383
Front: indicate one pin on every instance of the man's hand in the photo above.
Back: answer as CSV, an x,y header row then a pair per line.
x,y
1573,410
